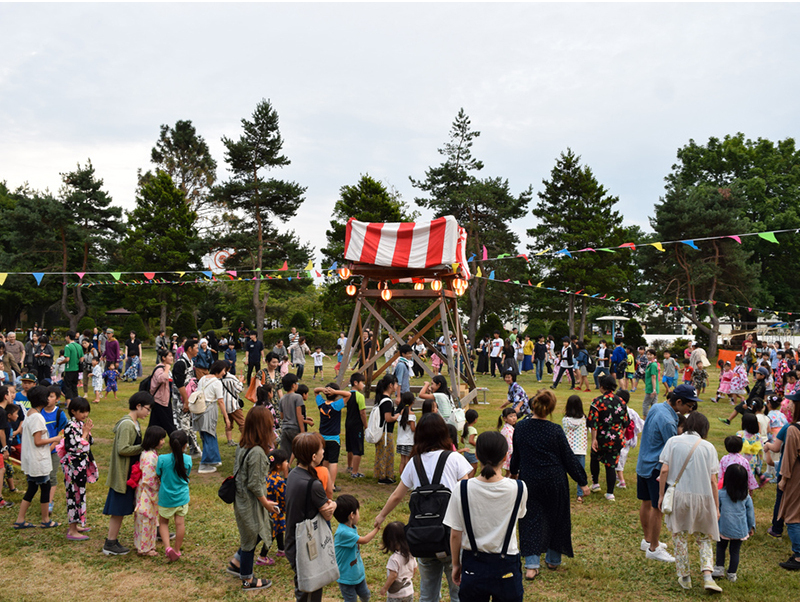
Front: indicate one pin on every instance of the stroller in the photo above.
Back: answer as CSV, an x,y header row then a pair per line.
x,y
132,372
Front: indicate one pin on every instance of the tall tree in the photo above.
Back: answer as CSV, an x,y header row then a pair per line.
x,y
484,207
185,156
262,201
93,224
576,212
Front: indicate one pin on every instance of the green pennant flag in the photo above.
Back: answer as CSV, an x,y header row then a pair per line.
x,y
503,255
769,236
606,249
116,275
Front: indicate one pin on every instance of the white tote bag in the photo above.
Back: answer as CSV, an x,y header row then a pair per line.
x,y
316,557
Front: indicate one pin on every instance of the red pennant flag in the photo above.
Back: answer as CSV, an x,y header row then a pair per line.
x,y
631,245
522,255
149,275
530,284
285,266
318,274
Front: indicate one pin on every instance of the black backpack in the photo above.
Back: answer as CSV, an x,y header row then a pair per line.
x,y
144,384
427,536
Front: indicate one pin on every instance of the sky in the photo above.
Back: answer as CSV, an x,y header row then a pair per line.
x,y
373,88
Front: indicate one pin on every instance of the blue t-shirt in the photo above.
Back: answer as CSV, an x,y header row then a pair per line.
x,y
330,418
174,491
782,437
55,420
22,401
661,424
348,555
618,355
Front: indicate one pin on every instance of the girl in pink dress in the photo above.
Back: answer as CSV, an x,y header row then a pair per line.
x,y
725,382
506,423
145,522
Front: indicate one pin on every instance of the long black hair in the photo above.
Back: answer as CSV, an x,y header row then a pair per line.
x,y
177,442
491,449
406,401
384,384
442,383
735,482
471,416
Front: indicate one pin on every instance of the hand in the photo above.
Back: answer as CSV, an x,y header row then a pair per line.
x,y
379,521
185,407
457,574
660,500
89,423
594,445
586,490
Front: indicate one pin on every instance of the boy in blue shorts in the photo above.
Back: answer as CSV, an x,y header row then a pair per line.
x,y
670,372
331,401
352,576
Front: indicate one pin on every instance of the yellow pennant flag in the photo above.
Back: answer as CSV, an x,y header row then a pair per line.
x,y
658,246
479,274
545,251
3,276
310,265
455,267
181,273
540,283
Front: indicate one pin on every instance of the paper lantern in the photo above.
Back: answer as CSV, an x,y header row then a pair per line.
x,y
419,286
459,283
351,290
386,294
344,273
436,285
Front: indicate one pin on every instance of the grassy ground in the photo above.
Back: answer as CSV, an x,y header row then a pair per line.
x,y
608,564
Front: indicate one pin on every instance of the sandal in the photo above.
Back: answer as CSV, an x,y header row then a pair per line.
x,y
49,524
150,553
551,567
530,574
580,499
233,570
23,525
256,584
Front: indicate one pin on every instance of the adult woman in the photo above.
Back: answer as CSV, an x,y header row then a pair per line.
x,y
565,363
542,458
305,497
385,392
206,423
271,374
431,439
581,362
789,509
516,395
483,356
161,388
86,362
509,357
203,360
527,354
44,358
251,507
437,390
607,420
695,506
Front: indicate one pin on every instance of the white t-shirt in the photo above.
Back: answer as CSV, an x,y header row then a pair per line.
x,y
35,460
405,574
405,437
455,469
497,348
318,356
490,507
212,389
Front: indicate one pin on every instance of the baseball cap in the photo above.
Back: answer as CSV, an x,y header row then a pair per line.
x,y
111,331
763,370
28,377
685,392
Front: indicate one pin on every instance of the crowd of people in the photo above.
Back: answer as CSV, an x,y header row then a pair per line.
x,y
485,507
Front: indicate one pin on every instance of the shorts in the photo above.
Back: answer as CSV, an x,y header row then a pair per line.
x,y
647,488
332,450
471,458
39,480
404,449
584,372
354,440
167,512
629,375
317,369
56,465
668,381
2,466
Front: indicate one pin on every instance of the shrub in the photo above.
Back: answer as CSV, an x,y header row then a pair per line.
x,y
677,347
300,321
87,322
134,323
185,325
535,328
559,329
634,336
490,325
208,325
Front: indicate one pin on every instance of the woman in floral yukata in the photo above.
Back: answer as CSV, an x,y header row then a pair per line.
x,y
517,397
607,420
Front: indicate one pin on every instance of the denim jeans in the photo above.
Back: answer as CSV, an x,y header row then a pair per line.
x,y
430,578
552,557
581,458
245,563
793,529
349,591
210,449
600,370
539,363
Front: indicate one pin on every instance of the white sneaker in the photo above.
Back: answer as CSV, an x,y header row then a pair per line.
x,y
685,582
206,469
731,576
719,572
660,555
610,497
645,546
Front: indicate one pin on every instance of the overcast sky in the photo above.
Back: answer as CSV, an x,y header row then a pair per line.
x,y
374,88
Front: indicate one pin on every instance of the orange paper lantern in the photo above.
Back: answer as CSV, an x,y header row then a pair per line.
x,y
351,290
419,286
386,294
436,285
344,273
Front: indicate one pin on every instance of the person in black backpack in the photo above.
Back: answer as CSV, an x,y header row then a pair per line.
x,y
432,474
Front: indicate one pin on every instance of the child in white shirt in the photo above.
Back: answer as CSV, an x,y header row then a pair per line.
x,y
318,355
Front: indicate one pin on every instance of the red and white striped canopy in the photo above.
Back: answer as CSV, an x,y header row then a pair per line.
x,y
407,244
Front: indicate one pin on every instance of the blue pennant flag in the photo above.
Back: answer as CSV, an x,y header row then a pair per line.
x,y
491,276
207,273
38,276
690,243
565,252
472,257
334,266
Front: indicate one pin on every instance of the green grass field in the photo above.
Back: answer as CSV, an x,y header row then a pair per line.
x,y
608,565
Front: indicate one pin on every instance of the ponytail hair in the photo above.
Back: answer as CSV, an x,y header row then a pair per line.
x,y
386,381
471,416
406,400
441,381
491,449
509,410
177,441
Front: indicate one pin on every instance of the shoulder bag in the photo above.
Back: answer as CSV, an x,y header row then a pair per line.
x,y
669,494
316,557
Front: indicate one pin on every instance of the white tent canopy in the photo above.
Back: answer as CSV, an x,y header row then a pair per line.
x,y
614,320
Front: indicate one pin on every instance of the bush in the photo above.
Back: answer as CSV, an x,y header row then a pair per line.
x,y
185,325
134,323
535,328
87,322
559,329
677,347
634,336
300,321
208,325
491,325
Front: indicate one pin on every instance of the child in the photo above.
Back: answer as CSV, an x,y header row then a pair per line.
x,y
724,383
770,380
468,437
97,378
36,463
58,368
406,426
145,514
763,420
507,421
641,365
331,401
354,424
339,357
737,520
110,375
318,355
776,418
574,424
276,492
230,356
630,369
352,575
733,444
78,464
173,494
670,372
700,378
790,382
13,413
56,420
631,437
783,368
687,372
451,430
400,568
739,380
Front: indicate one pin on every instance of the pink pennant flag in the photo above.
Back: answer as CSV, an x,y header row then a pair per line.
x,y
631,245
749,309
735,238
485,253
587,249
80,274
232,272
149,275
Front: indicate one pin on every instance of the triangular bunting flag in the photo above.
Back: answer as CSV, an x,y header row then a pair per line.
x,y
540,283
587,249
285,266
38,276
479,274
565,252
690,243
485,253
149,275
630,245
116,275
522,255
455,266
735,238
545,251
232,272
503,255
334,266
180,274
658,246
769,236
606,249
207,273
318,273
310,265
491,275
3,277
80,274
472,257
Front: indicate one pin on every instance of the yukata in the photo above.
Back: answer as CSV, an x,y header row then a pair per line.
x,y
79,469
516,395
783,368
752,450
111,376
276,492
608,415
508,434
145,515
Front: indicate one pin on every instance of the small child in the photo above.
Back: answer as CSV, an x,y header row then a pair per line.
x,y
776,418
111,375
641,366
752,448
12,413
56,421
97,378
406,426
318,355
79,466
145,514
790,382
35,459
630,369
763,420
733,444
339,357
230,356
737,520
352,575
700,378
770,380
173,494
506,423
574,424
632,432
724,383
400,568
468,437
687,372
276,492
670,372
331,401
58,368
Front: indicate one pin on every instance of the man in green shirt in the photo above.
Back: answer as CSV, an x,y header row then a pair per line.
x,y
650,382
72,355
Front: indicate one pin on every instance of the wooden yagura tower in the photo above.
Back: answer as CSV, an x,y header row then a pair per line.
x,y
404,261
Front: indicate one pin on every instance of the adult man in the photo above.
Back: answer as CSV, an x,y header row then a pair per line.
x,y
342,341
72,356
15,348
391,350
294,337
133,349
111,349
280,351
298,351
162,344
404,368
182,372
617,356
253,354
513,337
496,353
661,424
603,356
540,357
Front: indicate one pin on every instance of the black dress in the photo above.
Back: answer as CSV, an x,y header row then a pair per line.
x,y
542,458
483,358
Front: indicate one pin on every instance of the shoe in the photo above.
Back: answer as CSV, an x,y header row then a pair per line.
x,y
622,485
357,475
265,561
726,421
113,547
595,488
5,504
196,455
645,546
685,582
231,443
336,489
587,390
710,585
206,469
256,584
171,536
78,537
217,464
731,577
719,572
659,555
773,533
280,554
386,480
349,471
172,554
610,497
791,564
232,570
633,390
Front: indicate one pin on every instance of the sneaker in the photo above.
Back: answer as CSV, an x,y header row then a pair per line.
x,y
659,555
718,572
710,585
5,504
217,464
265,561
731,576
595,487
280,554
610,497
231,443
645,546
685,582
113,547
357,475
206,469
773,533
726,421
386,480
791,564
622,485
